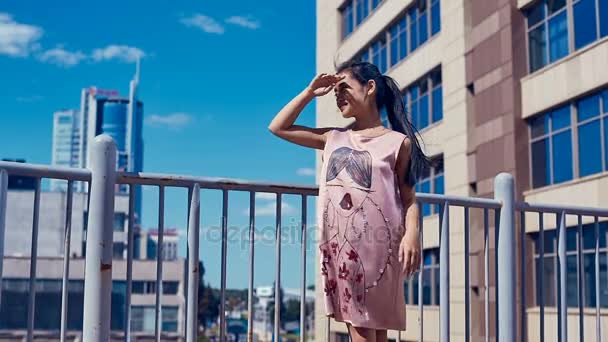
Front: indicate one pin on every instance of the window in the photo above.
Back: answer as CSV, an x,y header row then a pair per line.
x,y
430,281
355,12
143,287
379,55
119,222
118,249
137,287
411,30
143,318
64,120
548,266
432,182
170,287
341,337
398,34
585,25
549,38
15,292
169,317
580,126
435,17
424,100
589,136
551,133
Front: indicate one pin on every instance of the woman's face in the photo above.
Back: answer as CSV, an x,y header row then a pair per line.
x,y
353,98
346,195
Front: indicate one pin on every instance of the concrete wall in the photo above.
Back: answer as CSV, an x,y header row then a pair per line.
x,y
143,270
51,226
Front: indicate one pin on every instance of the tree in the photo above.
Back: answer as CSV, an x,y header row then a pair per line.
x,y
282,308
292,311
208,301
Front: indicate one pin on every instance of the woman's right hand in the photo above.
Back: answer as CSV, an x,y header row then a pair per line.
x,y
323,84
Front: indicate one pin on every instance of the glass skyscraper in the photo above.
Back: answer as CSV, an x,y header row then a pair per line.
x,y
101,112
66,143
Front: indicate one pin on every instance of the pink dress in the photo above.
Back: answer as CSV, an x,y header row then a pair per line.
x,y
361,220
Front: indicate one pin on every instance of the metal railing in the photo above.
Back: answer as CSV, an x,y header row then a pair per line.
x,y
102,180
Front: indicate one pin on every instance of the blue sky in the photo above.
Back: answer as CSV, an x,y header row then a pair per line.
x,y
213,75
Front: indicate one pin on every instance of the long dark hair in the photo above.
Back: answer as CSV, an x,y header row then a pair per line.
x,y
389,98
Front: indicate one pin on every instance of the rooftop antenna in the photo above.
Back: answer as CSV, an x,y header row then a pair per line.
x,y
137,69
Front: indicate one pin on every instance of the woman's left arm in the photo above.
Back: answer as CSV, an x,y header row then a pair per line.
x,y
409,248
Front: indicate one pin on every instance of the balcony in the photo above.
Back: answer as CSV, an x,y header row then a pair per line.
x,y
499,222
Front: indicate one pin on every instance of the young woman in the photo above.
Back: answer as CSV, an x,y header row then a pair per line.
x,y
367,211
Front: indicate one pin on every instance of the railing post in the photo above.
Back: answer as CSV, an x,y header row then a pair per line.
x,y
98,263
504,191
444,274
3,204
193,270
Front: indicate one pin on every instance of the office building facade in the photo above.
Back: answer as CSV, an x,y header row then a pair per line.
x,y
66,143
15,292
101,112
494,86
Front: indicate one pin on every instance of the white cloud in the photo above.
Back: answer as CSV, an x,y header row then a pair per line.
x,y
60,56
28,99
246,22
204,23
173,121
305,171
123,53
16,39
269,196
269,209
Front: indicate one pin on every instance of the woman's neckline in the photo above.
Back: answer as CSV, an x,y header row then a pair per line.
x,y
355,133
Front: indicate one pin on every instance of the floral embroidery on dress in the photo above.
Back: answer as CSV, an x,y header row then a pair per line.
x,y
352,203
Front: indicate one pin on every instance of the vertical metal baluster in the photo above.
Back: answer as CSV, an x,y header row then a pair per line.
x,y
486,266
250,307
193,264
467,295
277,290
3,204
522,275
67,239
598,328
159,264
444,274
420,306
496,289
33,263
224,261
303,295
186,283
130,232
327,327
541,279
561,258
579,276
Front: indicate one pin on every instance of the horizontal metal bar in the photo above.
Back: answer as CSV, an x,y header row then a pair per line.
x,y
45,171
471,202
557,209
215,183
